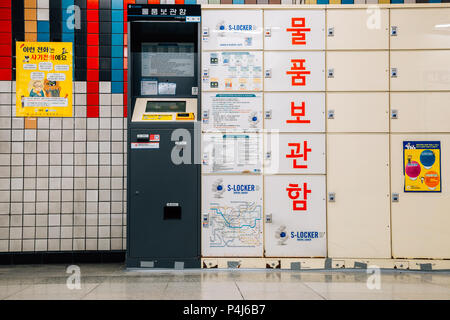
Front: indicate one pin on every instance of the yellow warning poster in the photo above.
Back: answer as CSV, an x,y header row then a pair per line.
x,y
44,79
422,166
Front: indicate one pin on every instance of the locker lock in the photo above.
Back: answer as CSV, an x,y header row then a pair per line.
x,y
330,73
394,114
268,73
393,72
330,114
267,32
331,32
268,155
205,32
331,197
393,31
268,218
268,114
395,197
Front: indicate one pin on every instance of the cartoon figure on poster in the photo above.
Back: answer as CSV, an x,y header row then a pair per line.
x,y
44,79
422,166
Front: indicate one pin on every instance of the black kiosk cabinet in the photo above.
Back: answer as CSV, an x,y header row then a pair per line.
x,y
163,187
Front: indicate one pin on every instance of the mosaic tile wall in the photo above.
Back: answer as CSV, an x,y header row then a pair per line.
x,y
62,183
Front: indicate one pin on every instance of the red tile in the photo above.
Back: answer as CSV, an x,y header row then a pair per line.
x,y
179,1
92,63
5,38
93,112
92,27
92,75
5,75
153,1
125,109
5,50
125,99
92,99
5,3
6,62
92,4
92,39
92,15
92,87
5,26
5,14
92,51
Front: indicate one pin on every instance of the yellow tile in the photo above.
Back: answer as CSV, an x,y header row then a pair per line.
x,y
384,1
311,2
335,1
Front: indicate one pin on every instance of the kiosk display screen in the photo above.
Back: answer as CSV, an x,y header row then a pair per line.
x,y
165,106
168,59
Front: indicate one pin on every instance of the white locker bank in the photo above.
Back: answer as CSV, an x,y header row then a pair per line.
x,y
325,136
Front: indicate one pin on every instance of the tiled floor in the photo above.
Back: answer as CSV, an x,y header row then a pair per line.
x,y
112,281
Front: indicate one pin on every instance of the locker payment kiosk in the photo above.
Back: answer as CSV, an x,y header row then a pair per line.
x,y
163,186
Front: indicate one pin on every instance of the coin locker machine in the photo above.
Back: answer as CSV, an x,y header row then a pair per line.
x,y
163,187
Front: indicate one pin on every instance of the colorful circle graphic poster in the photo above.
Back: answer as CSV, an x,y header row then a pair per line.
x,y
422,166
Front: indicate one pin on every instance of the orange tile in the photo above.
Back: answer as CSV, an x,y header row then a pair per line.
x,y
30,3
30,26
31,37
30,123
30,14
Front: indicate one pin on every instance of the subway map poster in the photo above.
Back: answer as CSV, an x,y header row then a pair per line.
x,y
422,166
232,213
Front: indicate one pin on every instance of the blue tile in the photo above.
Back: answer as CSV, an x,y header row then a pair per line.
x,y
117,39
434,1
68,37
397,1
66,3
43,26
116,51
347,1
117,63
238,1
190,1
117,15
117,27
116,75
116,87
323,1
44,37
117,4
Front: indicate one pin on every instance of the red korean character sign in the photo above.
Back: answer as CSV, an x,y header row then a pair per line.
x,y
294,153
294,112
297,207
294,30
294,71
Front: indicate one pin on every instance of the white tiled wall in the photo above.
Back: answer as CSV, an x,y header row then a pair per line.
x,y
62,186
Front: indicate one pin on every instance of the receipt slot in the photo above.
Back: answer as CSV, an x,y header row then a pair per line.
x,y
163,173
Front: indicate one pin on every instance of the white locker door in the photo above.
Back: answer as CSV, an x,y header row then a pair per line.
x,y
420,111
358,71
232,71
424,28
231,29
296,207
294,153
239,112
232,153
420,221
294,71
420,70
357,29
358,112
232,213
358,176
294,29
294,112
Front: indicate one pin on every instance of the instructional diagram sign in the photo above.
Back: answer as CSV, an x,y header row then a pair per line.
x,y
232,112
422,166
44,79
